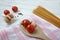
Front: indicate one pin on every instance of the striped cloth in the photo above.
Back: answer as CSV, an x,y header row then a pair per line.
x,y
14,33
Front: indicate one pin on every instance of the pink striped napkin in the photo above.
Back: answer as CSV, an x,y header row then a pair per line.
x,y
14,33
52,31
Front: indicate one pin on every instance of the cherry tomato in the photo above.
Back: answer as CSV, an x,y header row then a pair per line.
x,y
6,12
15,8
30,28
25,22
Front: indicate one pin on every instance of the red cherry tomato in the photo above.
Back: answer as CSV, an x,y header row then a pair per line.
x,y
25,22
6,12
15,8
30,28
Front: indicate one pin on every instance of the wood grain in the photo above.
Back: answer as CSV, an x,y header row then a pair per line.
x,y
48,16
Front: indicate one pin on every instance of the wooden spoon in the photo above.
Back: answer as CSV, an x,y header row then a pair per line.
x,y
38,33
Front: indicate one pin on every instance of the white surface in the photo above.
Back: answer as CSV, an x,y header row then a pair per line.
x,y
27,6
